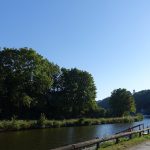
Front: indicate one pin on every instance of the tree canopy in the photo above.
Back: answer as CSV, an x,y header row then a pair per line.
x,y
25,77
79,91
75,93
122,102
31,85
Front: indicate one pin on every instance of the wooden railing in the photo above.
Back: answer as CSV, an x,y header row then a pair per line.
x,y
96,143
140,126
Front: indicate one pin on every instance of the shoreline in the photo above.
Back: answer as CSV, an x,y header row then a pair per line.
x,y
20,125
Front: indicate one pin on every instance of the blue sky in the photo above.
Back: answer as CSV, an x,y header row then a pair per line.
x,y
108,38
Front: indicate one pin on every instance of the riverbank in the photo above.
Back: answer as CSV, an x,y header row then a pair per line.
x,y
13,125
125,144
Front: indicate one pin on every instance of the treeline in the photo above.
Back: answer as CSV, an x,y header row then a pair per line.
x,y
31,85
120,103
141,98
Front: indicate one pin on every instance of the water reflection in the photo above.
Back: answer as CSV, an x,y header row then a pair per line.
x,y
49,138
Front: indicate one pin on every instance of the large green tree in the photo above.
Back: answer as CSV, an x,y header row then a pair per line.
x,y
121,102
25,78
77,92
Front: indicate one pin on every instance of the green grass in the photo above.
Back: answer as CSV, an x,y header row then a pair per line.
x,y
14,124
124,144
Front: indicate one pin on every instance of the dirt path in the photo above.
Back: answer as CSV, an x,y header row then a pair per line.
x,y
142,146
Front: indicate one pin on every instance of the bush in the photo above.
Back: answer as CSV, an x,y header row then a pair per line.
x,y
14,124
81,121
57,124
41,122
48,123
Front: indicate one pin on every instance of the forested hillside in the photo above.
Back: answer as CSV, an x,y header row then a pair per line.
x,y
104,103
142,102
142,99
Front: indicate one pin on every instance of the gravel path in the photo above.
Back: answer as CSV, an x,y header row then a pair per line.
x,y
142,146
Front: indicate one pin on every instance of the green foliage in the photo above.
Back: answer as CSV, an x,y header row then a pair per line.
x,y
17,125
75,94
79,91
142,100
57,124
41,122
31,85
24,81
121,102
26,100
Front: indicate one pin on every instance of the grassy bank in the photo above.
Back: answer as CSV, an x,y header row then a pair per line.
x,y
124,144
13,124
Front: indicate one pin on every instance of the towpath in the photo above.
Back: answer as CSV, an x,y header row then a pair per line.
x,y
142,146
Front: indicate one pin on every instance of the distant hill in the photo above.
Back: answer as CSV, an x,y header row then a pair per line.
x,y
142,101
104,103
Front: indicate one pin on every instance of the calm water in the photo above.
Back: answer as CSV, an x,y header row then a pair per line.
x,y
45,139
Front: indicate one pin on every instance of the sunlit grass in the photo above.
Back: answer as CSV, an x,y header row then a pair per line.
x,y
124,144
14,124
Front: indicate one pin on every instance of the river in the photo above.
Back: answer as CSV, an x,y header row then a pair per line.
x,y
45,139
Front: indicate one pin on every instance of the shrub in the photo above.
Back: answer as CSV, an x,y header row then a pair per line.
x,y
41,122
57,124
81,121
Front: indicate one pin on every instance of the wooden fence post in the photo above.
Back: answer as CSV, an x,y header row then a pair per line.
x,y
130,136
148,131
73,146
117,140
97,146
140,134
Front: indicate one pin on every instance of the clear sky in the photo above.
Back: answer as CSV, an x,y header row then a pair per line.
x,y
108,38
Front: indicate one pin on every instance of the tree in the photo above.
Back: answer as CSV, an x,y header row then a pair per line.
x,y
121,102
24,81
78,92
31,85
